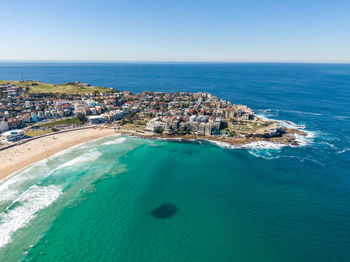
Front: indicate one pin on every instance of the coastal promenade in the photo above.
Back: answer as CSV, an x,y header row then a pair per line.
x,y
17,156
26,140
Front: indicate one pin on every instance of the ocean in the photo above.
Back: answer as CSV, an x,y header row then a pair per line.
x,y
122,198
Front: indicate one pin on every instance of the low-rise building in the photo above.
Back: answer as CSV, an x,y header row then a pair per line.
x,y
13,135
100,119
4,126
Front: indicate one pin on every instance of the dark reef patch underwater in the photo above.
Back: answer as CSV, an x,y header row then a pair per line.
x,y
164,211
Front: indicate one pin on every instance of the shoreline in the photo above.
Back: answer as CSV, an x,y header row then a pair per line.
x,y
287,139
19,156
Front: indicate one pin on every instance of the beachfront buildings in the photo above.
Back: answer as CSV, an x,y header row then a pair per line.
x,y
180,113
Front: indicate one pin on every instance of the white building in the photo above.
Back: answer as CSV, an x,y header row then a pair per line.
x,y
116,115
40,115
28,104
13,135
193,118
125,108
97,119
155,125
93,111
4,126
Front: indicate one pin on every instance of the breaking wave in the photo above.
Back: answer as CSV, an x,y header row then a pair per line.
x,y
10,185
24,208
343,118
264,149
274,112
87,157
302,140
300,112
119,140
343,150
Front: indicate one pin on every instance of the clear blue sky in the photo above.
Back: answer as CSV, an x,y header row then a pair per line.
x,y
177,30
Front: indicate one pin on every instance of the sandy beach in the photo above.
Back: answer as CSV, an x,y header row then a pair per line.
x,y
17,157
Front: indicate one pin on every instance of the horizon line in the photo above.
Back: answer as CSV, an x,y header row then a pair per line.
x,y
173,61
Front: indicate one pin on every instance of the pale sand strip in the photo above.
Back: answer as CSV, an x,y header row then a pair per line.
x,y
15,158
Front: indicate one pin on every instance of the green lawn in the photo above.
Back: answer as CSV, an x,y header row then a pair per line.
x,y
40,87
68,122
37,133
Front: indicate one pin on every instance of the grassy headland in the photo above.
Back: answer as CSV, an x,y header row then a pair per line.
x,y
66,88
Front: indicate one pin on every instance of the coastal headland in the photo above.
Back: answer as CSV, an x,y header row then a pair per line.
x,y
38,120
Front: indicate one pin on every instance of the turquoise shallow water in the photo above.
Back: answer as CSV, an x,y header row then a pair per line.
x,y
97,201
231,205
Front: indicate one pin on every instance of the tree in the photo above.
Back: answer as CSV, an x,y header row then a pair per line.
x,y
81,116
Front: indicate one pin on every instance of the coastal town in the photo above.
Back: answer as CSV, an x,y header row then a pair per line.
x,y
32,108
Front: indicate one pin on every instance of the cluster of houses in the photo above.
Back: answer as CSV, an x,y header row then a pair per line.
x,y
191,113
166,113
19,109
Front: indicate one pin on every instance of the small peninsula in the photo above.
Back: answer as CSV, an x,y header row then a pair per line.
x,y
31,108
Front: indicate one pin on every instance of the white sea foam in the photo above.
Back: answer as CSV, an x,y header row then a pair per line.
x,y
117,141
223,144
290,124
267,113
304,159
173,139
87,157
10,185
252,145
264,149
344,118
305,140
6,188
300,139
68,150
264,145
300,112
284,123
274,112
329,144
84,145
24,209
343,150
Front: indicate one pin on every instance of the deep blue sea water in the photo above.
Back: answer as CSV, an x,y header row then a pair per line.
x,y
94,202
